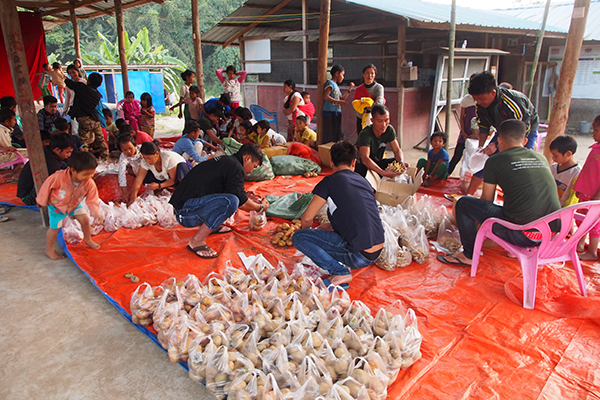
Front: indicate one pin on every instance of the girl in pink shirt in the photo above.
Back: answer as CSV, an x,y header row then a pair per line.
x,y
232,84
131,109
588,188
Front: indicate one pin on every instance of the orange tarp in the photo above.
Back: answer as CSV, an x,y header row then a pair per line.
x,y
477,343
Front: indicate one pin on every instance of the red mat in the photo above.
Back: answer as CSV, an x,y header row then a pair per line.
x,y
477,343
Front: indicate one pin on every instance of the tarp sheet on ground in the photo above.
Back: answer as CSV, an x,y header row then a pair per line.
x,y
477,343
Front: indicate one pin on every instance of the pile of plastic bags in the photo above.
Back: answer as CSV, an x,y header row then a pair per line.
x,y
147,210
263,334
407,230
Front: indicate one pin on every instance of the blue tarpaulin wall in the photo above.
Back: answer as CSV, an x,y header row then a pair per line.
x,y
139,82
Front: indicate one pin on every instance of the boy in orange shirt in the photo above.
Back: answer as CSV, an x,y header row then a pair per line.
x,y
63,192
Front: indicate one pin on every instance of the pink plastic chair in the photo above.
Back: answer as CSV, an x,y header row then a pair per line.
x,y
19,160
554,247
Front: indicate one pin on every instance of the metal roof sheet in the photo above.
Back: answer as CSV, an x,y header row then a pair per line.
x,y
560,16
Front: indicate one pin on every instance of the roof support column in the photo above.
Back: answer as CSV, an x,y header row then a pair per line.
x,y
304,43
560,110
399,82
322,64
121,42
198,48
538,49
13,39
75,32
451,40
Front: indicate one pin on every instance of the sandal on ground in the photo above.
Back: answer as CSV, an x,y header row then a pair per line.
x,y
3,218
203,248
446,259
221,229
4,209
331,287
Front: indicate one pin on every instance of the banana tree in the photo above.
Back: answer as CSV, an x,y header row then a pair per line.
x,y
138,51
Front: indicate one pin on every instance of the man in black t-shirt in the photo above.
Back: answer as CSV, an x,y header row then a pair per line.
x,y
354,237
211,192
529,193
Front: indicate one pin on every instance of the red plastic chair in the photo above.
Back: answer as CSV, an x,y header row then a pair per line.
x,y
554,247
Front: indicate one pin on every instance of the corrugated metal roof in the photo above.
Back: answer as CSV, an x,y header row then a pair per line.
x,y
560,16
440,13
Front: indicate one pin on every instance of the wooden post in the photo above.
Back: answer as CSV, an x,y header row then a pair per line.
x,y
75,32
538,50
121,40
399,82
560,110
13,40
304,43
198,48
322,65
451,39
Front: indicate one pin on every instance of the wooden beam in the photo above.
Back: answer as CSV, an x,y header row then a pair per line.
x,y
17,62
67,6
121,43
101,11
449,84
322,64
76,43
257,21
341,29
198,47
399,83
562,100
40,4
481,29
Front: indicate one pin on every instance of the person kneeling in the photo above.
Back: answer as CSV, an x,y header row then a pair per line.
x,y
212,192
355,237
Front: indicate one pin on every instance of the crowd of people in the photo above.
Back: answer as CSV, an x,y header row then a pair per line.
x,y
208,187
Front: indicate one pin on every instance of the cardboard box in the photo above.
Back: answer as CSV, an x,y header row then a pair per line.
x,y
275,151
324,154
409,73
392,193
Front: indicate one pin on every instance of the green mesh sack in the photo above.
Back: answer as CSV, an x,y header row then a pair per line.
x,y
263,172
292,165
231,146
289,206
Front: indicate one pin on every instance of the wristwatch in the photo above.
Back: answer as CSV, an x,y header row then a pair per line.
x,y
159,185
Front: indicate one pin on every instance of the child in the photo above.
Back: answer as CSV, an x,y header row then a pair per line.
x,y
62,126
565,169
63,192
307,108
332,107
73,73
184,93
468,130
17,133
129,161
303,134
139,136
436,165
194,104
147,117
221,103
111,129
58,79
8,152
260,134
47,115
45,80
588,188
245,129
131,109
231,84
190,145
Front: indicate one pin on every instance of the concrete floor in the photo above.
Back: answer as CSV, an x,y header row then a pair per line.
x,y
61,339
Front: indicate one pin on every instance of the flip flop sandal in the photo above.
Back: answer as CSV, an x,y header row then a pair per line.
x,y
221,229
449,197
204,247
444,260
4,209
3,218
331,287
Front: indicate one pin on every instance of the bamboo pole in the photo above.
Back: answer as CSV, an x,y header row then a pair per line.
x,y
76,43
560,110
399,82
304,43
322,64
198,48
451,40
17,62
538,49
121,42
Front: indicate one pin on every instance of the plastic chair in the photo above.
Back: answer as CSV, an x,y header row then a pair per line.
x,y
260,114
538,142
19,160
554,247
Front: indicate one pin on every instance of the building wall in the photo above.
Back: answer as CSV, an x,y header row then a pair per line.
x,y
281,71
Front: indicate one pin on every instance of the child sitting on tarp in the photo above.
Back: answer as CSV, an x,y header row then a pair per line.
x,y
63,193
190,146
260,134
303,134
436,165
8,153
131,109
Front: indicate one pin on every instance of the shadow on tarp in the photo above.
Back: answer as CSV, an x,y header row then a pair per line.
x,y
477,343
